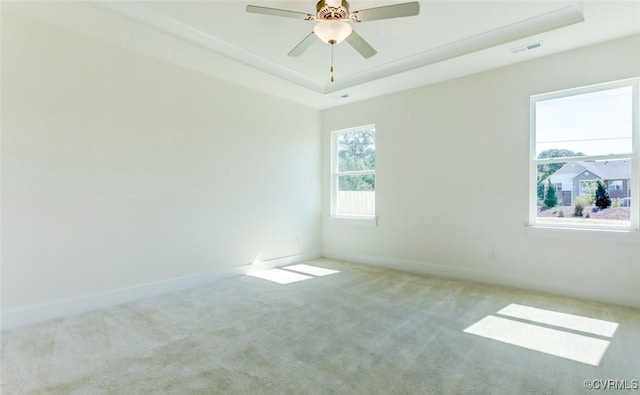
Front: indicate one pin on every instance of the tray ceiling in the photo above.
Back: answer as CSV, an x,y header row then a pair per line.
x,y
446,40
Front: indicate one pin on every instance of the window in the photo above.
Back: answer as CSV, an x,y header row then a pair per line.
x,y
588,188
353,168
616,185
585,140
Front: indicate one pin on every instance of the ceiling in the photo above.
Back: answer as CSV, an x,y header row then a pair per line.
x,y
446,40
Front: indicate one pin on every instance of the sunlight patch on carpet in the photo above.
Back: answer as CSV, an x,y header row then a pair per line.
x,y
312,270
292,273
536,334
279,276
564,320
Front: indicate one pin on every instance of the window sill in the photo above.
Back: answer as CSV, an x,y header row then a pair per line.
x,y
625,236
355,220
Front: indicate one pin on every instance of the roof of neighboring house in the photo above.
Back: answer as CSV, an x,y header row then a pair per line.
x,y
606,170
572,169
593,168
614,169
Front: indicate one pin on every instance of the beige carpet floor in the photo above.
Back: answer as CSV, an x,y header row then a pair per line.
x,y
363,330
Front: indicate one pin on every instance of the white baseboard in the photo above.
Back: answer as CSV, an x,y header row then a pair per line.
x,y
33,314
615,296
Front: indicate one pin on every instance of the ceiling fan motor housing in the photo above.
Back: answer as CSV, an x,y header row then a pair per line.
x,y
325,11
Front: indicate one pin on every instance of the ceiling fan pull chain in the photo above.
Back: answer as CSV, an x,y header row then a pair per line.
x,y
332,44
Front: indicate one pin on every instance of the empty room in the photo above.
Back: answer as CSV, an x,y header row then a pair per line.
x,y
301,197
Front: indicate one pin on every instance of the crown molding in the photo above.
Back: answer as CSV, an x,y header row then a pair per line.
x,y
176,28
565,16
556,19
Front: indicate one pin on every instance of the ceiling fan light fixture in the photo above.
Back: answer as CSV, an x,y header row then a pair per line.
x,y
332,32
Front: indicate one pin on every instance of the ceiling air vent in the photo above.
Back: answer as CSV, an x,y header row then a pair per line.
x,y
527,47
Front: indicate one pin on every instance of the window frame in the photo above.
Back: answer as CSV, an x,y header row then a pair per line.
x,y
633,156
335,174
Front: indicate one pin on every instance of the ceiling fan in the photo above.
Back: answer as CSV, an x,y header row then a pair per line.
x,y
332,26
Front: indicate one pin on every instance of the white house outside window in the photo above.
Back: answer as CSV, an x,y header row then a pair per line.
x,y
584,157
353,168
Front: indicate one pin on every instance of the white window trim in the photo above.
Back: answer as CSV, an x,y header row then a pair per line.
x,y
334,176
635,161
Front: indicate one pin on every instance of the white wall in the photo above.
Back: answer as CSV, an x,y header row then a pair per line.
x,y
452,182
120,170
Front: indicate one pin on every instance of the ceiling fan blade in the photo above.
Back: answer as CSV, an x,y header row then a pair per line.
x,y
387,12
360,45
303,45
254,9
